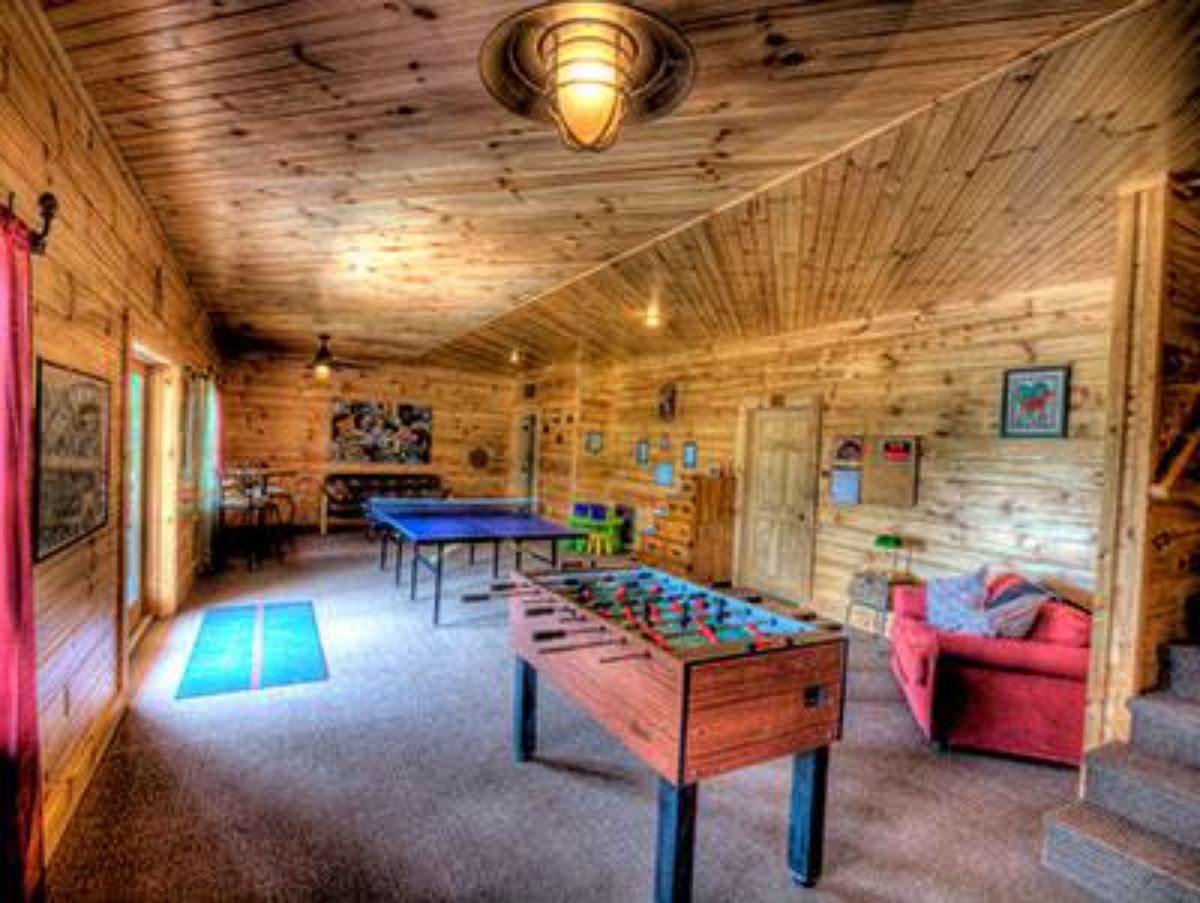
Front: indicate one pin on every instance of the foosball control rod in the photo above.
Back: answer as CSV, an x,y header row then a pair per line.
x,y
542,636
628,657
577,646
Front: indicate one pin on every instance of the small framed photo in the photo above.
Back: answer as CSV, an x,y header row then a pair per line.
x,y
1036,403
667,402
593,442
664,474
641,452
691,455
664,442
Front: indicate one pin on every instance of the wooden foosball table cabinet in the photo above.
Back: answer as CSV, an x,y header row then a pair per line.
x,y
692,682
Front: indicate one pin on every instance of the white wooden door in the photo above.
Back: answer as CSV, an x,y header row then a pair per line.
x,y
779,492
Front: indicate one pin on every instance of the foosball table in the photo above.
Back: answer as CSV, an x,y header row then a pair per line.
x,y
694,682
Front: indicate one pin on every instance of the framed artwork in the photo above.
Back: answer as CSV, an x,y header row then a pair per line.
x,y
848,451
593,442
641,452
381,432
664,442
664,474
1036,403
691,455
845,486
890,471
71,495
667,398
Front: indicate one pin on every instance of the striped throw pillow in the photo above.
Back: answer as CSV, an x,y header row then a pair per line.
x,y
1012,607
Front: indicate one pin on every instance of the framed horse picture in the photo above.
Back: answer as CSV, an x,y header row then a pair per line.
x,y
1036,403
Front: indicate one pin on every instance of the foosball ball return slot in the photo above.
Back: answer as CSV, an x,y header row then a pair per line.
x,y
695,683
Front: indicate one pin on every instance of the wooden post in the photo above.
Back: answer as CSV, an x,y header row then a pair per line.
x,y
524,711
676,842
806,831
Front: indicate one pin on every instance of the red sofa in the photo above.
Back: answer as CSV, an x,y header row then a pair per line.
x,y
1022,697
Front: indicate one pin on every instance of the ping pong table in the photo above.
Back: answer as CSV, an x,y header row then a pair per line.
x,y
441,523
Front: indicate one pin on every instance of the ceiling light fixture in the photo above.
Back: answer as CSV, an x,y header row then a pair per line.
x,y
588,68
322,362
516,357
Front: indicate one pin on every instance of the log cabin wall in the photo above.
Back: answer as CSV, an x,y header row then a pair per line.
x,y
275,413
1030,505
96,290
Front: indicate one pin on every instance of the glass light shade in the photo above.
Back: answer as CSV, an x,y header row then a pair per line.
x,y
588,63
322,371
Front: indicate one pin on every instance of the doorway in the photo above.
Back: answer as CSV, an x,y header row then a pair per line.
x,y
777,527
138,431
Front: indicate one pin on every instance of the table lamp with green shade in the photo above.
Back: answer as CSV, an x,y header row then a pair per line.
x,y
894,543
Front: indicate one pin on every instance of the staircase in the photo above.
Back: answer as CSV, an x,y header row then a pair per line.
x,y
1135,834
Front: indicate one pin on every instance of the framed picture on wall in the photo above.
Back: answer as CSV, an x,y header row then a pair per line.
x,y
593,442
71,495
668,396
691,455
641,452
1036,403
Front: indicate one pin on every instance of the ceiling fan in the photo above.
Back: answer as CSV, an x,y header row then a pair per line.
x,y
324,362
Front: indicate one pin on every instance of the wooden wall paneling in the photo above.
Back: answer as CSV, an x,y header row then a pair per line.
x,y
1031,506
363,128
99,273
276,413
1151,529
1006,184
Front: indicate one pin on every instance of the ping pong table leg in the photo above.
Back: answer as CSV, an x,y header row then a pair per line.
x,y
470,553
524,725
437,584
519,557
806,831
399,559
554,554
412,592
383,541
495,559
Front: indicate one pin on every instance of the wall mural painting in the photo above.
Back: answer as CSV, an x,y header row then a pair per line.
x,y
72,457
382,433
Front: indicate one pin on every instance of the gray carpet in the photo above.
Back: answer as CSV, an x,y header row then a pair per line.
x,y
393,781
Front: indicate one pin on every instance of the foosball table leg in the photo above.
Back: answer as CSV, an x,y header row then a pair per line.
x,y
676,842
806,833
524,711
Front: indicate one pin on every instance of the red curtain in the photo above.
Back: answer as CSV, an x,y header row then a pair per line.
x,y
20,782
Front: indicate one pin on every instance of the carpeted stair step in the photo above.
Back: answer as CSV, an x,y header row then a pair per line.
x,y
1183,671
1168,727
1155,794
1114,859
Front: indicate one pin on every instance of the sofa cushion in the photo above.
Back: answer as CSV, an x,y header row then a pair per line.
x,y
908,600
1012,606
1064,625
956,603
1016,655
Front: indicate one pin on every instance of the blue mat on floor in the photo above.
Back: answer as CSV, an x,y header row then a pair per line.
x,y
249,647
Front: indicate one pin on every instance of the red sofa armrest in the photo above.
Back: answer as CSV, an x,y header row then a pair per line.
x,y
1028,656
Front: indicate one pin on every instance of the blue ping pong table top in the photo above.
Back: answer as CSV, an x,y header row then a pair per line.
x,y
462,520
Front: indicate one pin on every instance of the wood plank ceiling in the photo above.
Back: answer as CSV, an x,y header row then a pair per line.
x,y
335,165
1007,185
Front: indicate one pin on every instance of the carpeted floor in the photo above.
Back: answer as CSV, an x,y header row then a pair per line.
x,y
393,781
